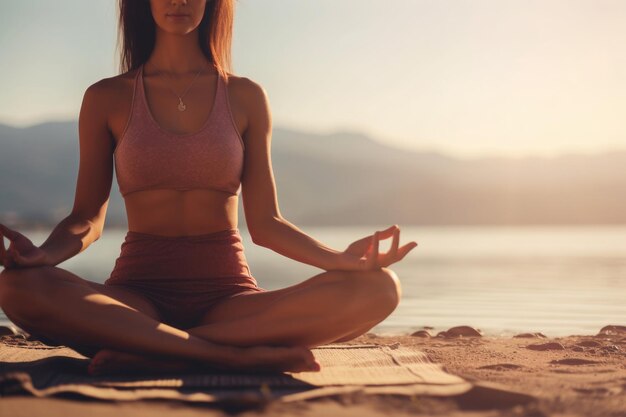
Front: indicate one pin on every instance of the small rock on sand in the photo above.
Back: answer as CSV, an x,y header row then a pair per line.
x,y
501,366
460,331
573,361
589,343
531,335
421,333
546,346
612,330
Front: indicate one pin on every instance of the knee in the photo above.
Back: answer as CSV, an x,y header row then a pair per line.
x,y
15,281
382,285
389,285
18,286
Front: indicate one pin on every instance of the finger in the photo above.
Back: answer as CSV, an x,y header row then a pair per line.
x,y
404,250
10,234
8,260
365,244
368,253
361,246
6,256
2,249
17,257
395,242
373,253
21,261
390,257
383,234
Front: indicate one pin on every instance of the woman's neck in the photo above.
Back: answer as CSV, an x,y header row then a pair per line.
x,y
177,55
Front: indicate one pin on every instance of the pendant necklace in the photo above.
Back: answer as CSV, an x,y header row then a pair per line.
x,y
182,106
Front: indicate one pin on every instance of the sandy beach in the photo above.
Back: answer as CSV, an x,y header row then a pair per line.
x,y
578,375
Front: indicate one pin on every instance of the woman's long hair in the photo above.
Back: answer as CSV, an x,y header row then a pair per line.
x,y
137,33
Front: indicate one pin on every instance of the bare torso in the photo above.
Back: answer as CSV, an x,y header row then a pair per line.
x,y
174,212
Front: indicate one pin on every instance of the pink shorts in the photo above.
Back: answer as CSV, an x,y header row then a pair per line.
x,y
183,276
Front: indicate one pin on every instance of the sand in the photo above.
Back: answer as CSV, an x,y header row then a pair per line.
x,y
579,375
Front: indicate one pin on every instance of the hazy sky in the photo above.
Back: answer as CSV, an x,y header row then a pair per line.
x,y
466,77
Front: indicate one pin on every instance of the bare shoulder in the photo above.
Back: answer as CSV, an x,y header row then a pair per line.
x,y
111,98
252,98
245,87
107,90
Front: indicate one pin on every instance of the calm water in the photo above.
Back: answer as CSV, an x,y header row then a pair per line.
x,y
556,280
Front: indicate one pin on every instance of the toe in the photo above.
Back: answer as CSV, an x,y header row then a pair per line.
x,y
315,366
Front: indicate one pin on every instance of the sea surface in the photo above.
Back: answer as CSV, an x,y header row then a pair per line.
x,y
502,280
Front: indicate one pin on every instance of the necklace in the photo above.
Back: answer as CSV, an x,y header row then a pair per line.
x,y
182,106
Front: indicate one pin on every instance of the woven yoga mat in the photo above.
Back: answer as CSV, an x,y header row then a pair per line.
x,y
41,370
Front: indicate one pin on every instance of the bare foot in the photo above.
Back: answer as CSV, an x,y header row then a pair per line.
x,y
283,359
259,358
111,362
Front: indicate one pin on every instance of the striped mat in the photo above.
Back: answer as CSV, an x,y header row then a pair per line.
x,y
37,369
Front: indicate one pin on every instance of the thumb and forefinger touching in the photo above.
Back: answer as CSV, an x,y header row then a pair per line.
x,y
395,253
5,255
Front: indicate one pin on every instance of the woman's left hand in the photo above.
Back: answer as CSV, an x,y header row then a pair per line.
x,y
363,255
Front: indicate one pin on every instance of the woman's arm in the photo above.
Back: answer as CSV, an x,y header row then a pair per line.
x,y
267,226
84,224
285,238
70,237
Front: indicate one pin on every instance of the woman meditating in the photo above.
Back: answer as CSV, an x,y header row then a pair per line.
x,y
186,136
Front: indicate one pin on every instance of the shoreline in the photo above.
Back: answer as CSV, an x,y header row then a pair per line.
x,y
397,331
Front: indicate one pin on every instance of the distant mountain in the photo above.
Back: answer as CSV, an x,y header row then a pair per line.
x,y
347,178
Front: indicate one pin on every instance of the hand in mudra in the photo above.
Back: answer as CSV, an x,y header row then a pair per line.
x,y
21,252
363,254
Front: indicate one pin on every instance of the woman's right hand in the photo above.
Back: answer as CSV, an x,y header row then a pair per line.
x,y
21,252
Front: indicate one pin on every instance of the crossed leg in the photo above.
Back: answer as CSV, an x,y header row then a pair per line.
x,y
331,306
57,304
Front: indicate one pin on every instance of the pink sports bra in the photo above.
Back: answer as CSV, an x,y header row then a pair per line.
x,y
148,157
